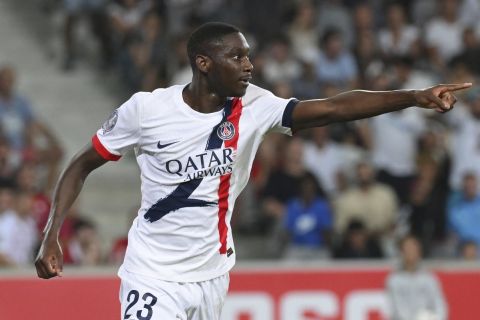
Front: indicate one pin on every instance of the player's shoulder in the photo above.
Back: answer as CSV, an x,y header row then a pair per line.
x,y
156,99
159,94
255,93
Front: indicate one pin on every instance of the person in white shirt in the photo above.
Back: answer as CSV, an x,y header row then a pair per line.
x,y
18,232
399,38
443,34
195,145
325,159
415,293
394,139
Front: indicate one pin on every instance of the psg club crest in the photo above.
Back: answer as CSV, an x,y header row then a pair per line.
x,y
111,122
226,131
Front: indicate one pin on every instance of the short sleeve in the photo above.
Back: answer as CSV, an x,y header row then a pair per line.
x,y
120,132
272,113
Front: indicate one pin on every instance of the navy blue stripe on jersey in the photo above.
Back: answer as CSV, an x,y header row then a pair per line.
x,y
179,198
287,114
214,141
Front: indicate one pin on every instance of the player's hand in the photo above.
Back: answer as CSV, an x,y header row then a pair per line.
x,y
439,97
49,261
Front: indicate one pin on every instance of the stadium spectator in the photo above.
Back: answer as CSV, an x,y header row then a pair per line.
x,y
21,128
468,57
126,17
18,233
392,139
364,19
406,76
357,243
335,64
465,140
302,32
84,247
27,180
373,203
464,211
282,185
16,115
144,60
443,34
308,221
306,86
323,158
333,15
95,12
414,292
352,153
398,38
430,189
367,55
280,66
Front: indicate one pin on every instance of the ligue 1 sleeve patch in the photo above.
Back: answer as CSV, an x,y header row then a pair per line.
x,y
111,122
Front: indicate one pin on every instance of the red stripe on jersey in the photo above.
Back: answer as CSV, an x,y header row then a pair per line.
x,y
102,151
224,189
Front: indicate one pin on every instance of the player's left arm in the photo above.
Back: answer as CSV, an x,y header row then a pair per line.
x,y
359,104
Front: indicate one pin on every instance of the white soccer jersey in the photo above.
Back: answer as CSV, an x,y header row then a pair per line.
x,y
193,166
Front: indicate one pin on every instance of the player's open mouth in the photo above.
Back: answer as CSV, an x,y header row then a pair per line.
x,y
246,80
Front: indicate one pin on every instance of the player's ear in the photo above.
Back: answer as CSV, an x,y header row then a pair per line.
x,y
203,63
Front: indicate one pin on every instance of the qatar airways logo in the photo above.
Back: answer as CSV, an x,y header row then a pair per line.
x,y
216,162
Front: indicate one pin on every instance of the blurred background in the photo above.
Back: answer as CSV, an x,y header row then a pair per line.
x,y
341,196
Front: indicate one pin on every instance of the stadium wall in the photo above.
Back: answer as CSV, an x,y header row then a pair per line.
x,y
257,292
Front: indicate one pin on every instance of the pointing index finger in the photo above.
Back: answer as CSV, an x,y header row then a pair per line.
x,y
458,86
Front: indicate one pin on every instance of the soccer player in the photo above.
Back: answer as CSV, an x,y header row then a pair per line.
x,y
195,145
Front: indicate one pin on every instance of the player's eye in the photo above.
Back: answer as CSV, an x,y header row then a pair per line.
x,y
241,57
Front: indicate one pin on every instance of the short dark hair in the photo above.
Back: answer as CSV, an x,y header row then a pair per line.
x,y
203,36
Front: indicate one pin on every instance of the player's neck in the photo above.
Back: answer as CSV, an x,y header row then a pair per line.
x,y
199,96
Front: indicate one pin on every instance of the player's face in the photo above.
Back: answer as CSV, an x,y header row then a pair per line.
x,y
231,70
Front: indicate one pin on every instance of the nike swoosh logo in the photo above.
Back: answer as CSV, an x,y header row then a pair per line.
x,y
161,146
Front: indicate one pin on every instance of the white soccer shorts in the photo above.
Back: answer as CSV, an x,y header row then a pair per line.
x,y
145,298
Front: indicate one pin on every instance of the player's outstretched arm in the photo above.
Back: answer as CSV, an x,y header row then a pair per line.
x,y
49,261
359,104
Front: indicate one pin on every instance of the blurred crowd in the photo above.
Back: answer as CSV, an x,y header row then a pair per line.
x,y
344,191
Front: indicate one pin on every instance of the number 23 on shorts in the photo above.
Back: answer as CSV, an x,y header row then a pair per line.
x,y
142,314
